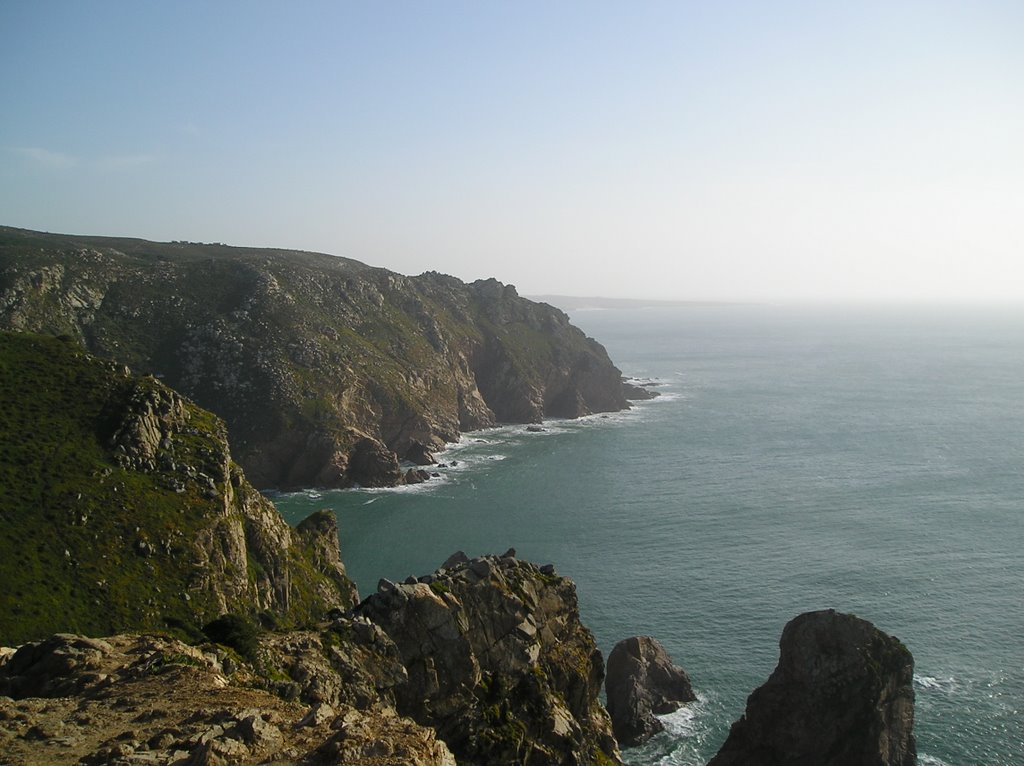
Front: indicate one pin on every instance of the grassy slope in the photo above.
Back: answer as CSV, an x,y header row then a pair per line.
x,y
88,546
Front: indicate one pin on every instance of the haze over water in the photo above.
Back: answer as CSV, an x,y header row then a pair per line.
x,y
868,460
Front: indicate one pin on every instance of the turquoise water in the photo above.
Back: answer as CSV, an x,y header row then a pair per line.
x,y
866,460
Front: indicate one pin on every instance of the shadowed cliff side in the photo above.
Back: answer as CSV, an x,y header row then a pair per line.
x,y
328,372
841,695
122,508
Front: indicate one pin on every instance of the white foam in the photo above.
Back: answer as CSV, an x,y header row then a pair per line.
x,y
931,683
681,723
931,760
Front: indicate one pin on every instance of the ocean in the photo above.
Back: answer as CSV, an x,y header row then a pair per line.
x,y
869,460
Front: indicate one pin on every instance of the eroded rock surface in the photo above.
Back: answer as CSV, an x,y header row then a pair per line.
x,y
841,695
642,682
498,662
327,371
128,700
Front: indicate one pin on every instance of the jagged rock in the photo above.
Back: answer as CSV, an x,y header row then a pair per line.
x,y
352,662
457,558
642,682
841,695
415,476
407,363
639,392
498,663
62,665
420,454
371,464
163,702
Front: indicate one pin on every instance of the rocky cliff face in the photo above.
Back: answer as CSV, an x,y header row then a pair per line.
x,y
484,660
328,372
498,662
124,510
841,695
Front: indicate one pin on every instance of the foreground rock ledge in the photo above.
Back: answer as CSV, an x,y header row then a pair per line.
x,y
841,695
132,699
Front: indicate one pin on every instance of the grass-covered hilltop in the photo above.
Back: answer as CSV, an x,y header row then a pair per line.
x,y
122,509
328,372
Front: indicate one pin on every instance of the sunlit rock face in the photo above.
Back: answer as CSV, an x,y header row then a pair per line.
x,y
498,662
328,372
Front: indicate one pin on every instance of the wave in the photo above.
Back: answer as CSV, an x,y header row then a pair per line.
x,y
931,760
685,740
933,684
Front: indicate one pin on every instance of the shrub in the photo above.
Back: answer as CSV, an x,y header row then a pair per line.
x,y
236,632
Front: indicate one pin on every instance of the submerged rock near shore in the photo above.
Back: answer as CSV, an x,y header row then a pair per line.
x,y
841,695
327,371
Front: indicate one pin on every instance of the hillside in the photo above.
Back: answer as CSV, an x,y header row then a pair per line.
x,y
328,372
122,509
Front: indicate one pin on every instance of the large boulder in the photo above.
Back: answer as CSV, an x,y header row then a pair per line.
x,y
841,695
498,662
642,682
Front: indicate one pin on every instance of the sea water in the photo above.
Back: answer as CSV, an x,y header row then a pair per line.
x,y
867,460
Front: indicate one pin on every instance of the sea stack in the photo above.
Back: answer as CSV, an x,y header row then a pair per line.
x,y
841,695
642,682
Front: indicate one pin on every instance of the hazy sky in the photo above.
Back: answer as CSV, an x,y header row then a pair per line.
x,y
702,150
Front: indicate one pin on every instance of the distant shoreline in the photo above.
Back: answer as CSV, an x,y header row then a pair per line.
x,y
577,303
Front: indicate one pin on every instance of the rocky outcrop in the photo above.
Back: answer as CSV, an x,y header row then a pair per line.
x,y
643,682
498,662
137,515
841,695
328,372
132,699
485,659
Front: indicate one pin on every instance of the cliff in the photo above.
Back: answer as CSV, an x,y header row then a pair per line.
x,y
498,662
482,662
122,509
328,372
841,695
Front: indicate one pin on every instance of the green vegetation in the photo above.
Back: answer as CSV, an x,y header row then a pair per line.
x,y
98,541
77,529
235,632
304,354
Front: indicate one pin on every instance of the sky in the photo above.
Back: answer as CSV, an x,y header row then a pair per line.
x,y
824,151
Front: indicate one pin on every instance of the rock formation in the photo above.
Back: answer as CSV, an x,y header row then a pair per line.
x,y
485,659
123,509
841,695
327,371
498,662
130,699
642,682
